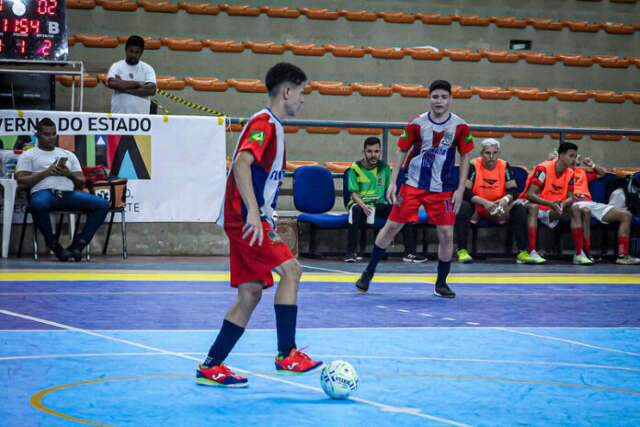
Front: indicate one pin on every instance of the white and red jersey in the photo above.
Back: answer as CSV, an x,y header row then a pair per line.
x,y
431,145
263,137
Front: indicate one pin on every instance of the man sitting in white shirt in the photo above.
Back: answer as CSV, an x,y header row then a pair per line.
x,y
132,80
52,175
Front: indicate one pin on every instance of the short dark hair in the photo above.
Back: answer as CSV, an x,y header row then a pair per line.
x,y
135,41
566,146
281,73
372,140
440,84
46,122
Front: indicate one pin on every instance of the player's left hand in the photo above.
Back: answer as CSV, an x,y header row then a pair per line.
x,y
456,200
588,162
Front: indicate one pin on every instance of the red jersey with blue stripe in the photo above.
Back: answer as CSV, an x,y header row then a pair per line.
x,y
432,151
263,137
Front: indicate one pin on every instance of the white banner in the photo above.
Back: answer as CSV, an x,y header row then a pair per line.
x,y
175,164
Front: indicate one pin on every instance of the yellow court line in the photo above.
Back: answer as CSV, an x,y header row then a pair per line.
x,y
504,278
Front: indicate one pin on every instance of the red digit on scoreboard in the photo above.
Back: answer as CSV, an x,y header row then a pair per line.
x,y
35,26
1,5
5,25
46,47
47,7
22,46
53,5
21,26
0,45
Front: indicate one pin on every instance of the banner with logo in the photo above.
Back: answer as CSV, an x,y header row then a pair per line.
x,y
175,165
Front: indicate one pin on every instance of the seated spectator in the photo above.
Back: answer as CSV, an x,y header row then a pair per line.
x,y
604,213
490,193
52,175
133,81
368,180
548,196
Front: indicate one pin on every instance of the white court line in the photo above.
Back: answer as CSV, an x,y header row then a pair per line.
x,y
386,408
448,318
402,310
568,341
338,356
329,270
425,314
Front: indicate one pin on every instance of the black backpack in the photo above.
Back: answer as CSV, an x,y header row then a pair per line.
x,y
630,184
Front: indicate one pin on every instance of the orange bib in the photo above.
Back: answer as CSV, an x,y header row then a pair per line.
x,y
581,184
489,184
555,187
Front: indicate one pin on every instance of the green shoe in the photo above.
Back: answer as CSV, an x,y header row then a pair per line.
x,y
523,257
464,256
581,260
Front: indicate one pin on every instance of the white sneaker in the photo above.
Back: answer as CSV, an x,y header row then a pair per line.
x,y
536,257
582,259
628,260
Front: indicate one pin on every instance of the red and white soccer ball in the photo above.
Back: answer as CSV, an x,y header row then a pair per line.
x,y
339,379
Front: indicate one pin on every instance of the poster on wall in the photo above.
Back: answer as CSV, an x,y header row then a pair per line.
x,y
175,164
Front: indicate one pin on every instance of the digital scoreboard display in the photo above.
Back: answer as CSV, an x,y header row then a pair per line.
x,y
33,30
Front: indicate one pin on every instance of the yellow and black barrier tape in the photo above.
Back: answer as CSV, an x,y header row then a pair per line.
x,y
190,104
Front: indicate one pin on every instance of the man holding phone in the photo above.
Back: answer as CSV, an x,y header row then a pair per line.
x,y
52,175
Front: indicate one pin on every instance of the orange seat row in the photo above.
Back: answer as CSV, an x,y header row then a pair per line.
x,y
345,50
164,6
337,88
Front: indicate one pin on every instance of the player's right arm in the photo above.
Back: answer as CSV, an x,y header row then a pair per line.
x,y
115,82
252,228
409,137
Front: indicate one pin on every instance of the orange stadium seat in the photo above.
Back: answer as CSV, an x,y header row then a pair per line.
x,y
149,42
546,24
606,137
240,10
462,55
292,165
280,12
170,83
575,60
434,18
623,1
97,40
264,47
337,167
459,92
411,90
528,135
291,129
481,21
88,82
119,5
396,132
538,58
397,17
487,134
331,88
508,22
632,96
499,55
305,49
421,53
564,94
358,15
568,136
385,52
582,26
345,50
182,43
315,13
364,131
634,60
209,84
235,127
247,85
102,77
229,46
607,96
530,93
81,4
613,28
634,138
71,40
491,92
610,61
331,130
200,8
162,6
372,89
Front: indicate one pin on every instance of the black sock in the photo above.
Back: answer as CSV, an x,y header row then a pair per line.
x,y
376,255
443,272
227,338
286,316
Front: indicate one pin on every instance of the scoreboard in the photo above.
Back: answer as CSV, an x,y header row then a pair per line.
x,y
33,30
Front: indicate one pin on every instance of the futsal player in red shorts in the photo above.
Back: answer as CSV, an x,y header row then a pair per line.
x,y
427,153
255,249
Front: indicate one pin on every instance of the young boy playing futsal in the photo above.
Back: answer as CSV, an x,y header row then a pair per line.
x,y
255,249
427,152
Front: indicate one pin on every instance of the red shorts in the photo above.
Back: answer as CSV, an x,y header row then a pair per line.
x,y
254,263
438,206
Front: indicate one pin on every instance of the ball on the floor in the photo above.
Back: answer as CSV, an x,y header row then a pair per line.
x,y
339,379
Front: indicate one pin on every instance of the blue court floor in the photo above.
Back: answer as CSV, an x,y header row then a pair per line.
x,y
116,344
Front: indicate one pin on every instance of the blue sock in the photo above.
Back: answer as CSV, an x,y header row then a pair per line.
x,y
286,316
443,272
227,338
376,255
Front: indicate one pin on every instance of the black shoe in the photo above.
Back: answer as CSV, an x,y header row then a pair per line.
x,y
75,250
61,253
443,291
363,282
416,259
351,258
